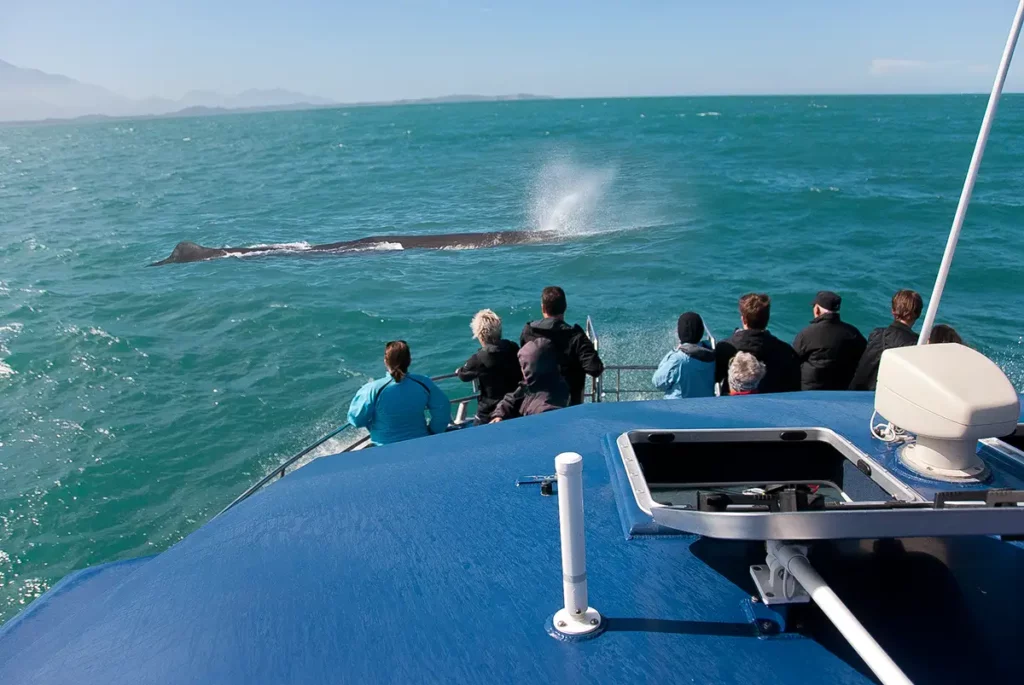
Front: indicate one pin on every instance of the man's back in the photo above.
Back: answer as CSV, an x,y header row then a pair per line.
x,y
576,354
782,372
829,350
896,334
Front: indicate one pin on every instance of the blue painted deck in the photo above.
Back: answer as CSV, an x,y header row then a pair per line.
x,y
423,562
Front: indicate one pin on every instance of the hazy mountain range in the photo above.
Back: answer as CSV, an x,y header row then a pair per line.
x,y
30,94
33,95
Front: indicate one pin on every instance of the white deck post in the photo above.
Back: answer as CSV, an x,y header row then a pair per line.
x,y
575,617
972,176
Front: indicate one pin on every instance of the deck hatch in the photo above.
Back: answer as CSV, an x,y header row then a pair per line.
x,y
793,483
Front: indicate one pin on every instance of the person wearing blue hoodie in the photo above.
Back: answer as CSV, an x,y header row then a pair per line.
x,y
392,407
688,370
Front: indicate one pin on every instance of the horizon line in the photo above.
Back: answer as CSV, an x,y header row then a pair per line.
x,y
198,111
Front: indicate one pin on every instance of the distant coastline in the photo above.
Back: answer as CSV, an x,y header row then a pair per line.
x,y
293,107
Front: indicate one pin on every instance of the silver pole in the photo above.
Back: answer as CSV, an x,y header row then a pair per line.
x,y
860,639
972,176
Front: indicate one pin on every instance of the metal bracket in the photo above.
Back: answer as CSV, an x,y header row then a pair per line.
x,y
775,584
546,483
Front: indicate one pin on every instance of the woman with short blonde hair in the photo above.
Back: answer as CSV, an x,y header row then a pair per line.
x,y
495,366
486,327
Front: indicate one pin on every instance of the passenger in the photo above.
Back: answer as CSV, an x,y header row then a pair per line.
x,y
392,407
576,354
944,334
783,366
906,308
688,370
543,388
745,374
829,348
494,366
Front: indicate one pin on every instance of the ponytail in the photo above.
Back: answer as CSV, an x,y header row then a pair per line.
x,y
397,358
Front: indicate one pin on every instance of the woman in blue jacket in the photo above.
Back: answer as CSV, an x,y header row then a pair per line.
x,y
688,370
392,407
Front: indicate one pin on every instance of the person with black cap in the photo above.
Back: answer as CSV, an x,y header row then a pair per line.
x,y
688,370
829,348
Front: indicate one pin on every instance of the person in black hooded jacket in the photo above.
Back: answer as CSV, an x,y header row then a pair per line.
x,y
576,354
782,372
906,308
494,366
829,348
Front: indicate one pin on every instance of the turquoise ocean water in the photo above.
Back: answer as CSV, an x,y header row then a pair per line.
x,y
136,402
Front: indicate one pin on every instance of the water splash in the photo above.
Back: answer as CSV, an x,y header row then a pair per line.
x,y
566,198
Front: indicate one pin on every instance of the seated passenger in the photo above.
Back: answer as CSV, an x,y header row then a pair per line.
x,y
942,333
688,370
543,388
783,365
745,374
494,366
392,407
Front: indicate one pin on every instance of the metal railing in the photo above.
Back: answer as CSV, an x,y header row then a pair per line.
x,y
595,383
619,391
598,391
362,443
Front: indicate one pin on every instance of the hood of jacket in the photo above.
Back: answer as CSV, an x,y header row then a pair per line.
x,y
698,352
556,330
827,317
752,340
539,362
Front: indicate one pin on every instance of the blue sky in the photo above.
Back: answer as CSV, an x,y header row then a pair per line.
x,y
385,49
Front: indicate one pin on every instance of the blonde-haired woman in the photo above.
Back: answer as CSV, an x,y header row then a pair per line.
x,y
495,366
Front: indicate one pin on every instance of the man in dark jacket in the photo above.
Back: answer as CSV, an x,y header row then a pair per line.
x,y
906,308
782,372
829,348
576,354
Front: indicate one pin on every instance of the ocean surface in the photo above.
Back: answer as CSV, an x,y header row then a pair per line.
x,y
137,402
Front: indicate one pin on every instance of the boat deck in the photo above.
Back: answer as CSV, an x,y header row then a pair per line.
x,y
423,561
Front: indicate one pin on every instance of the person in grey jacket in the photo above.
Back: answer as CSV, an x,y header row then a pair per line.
x,y
543,389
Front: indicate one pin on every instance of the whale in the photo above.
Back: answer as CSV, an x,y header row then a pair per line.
x,y
185,251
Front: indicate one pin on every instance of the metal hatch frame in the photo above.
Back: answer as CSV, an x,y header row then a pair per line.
x,y
910,516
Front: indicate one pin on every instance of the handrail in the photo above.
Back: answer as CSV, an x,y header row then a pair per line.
x,y
597,391
619,390
282,469
596,385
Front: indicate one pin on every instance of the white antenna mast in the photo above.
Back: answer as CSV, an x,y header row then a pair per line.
x,y
972,176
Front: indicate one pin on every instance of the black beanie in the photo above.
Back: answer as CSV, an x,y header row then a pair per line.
x,y
690,328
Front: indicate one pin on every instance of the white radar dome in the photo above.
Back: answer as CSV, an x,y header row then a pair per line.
x,y
949,396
